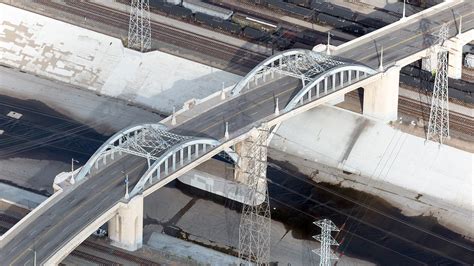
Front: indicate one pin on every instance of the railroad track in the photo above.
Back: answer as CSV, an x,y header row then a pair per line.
x,y
246,59
6,222
118,253
457,121
92,258
188,40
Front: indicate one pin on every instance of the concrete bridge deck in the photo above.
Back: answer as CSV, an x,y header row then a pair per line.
x,y
52,228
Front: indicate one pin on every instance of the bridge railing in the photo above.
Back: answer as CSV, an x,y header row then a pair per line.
x,y
380,32
329,81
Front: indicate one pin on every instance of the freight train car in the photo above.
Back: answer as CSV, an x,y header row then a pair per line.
x,y
160,6
334,10
305,3
205,8
174,2
341,24
257,23
255,35
216,23
180,12
290,9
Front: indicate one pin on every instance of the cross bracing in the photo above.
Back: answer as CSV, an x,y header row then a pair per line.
x,y
438,125
139,31
164,151
320,74
255,221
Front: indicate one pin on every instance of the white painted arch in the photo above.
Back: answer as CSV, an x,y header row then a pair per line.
x,y
107,146
182,151
265,63
360,69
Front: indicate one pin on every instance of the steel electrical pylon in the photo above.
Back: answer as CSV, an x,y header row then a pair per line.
x,y
325,253
255,221
438,125
139,28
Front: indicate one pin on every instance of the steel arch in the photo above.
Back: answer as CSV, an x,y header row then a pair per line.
x,y
306,90
155,143
107,147
178,159
300,57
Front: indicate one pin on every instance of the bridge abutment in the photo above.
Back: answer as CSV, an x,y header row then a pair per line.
x,y
381,97
126,227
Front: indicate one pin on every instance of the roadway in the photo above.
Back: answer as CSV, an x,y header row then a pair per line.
x,y
409,38
241,111
72,213
90,199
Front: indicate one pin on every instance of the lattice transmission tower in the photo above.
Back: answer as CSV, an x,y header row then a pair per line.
x,y
255,221
438,125
325,253
139,28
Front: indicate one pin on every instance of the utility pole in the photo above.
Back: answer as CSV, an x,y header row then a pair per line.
x,y
255,220
325,253
460,25
438,126
127,196
328,50
139,28
72,181
381,60
404,6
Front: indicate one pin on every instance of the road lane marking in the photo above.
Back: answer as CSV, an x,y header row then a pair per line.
x,y
415,36
64,218
248,108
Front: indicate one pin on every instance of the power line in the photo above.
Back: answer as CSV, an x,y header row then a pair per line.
x,y
368,224
366,206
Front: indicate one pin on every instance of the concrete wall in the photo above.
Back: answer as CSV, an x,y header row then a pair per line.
x,y
57,50
419,177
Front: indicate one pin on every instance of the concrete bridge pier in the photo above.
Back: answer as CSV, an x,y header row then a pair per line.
x,y
381,96
430,63
455,58
252,152
126,227
243,150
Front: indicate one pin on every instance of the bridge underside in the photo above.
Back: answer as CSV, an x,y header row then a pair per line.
x,y
290,79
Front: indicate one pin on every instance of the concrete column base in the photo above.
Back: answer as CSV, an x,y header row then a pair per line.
x,y
252,170
430,63
243,150
126,227
455,58
381,97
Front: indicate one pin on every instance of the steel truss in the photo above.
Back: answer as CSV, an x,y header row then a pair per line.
x,y
149,142
304,66
255,221
438,125
139,29
164,151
